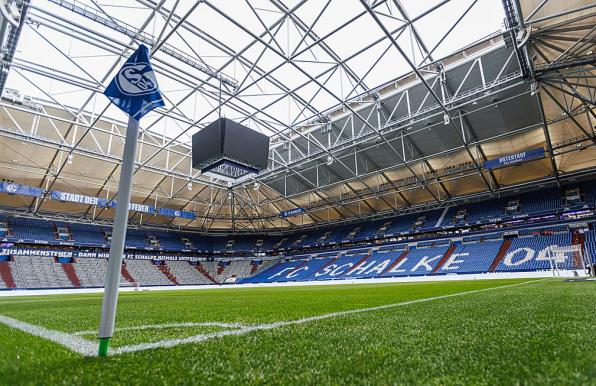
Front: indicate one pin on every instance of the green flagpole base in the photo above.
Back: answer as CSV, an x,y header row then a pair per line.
x,y
103,347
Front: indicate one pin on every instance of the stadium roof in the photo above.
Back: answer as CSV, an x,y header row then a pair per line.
x,y
373,108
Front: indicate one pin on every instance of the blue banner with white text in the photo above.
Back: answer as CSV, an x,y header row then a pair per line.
x,y
291,212
176,213
92,254
21,190
24,190
78,198
515,158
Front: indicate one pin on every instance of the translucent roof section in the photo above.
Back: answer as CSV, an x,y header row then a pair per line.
x,y
291,61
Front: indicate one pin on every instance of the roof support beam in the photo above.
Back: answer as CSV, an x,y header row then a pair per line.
x,y
426,85
87,101
548,141
316,81
568,114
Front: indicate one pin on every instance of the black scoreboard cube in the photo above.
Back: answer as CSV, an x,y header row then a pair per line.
x,y
225,146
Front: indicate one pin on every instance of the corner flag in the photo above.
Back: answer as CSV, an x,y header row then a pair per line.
x,y
134,90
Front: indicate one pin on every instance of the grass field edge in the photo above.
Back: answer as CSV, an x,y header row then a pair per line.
x,y
88,348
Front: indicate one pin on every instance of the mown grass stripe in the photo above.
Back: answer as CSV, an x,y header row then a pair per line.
x,y
269,326
86,348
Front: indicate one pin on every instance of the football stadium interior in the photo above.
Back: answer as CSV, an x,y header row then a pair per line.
x,y
297,192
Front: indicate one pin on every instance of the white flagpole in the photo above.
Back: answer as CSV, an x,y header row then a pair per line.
x,y
110,296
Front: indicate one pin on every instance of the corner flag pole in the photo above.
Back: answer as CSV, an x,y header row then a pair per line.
x,y
133,90
110,297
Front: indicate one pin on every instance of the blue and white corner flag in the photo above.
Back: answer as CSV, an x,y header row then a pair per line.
x,y
134,88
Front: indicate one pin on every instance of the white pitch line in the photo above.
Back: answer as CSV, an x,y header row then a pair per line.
x,y
167,325
269,326
73,343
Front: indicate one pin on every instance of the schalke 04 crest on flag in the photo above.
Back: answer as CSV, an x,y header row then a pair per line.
x,y
134,88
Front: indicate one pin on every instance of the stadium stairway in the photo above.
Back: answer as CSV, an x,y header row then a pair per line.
x,y
202,270
340,268
358,263
306,269
396,262
71,274
166,271
331,261
127,275
444,258
304,263
578,239
6,275
500,255
374,265
266,270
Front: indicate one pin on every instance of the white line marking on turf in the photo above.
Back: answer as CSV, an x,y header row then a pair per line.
x,y
73,343
269,326
88,348
167,325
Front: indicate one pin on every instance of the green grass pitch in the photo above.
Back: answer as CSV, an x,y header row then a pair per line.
x,y
539,332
